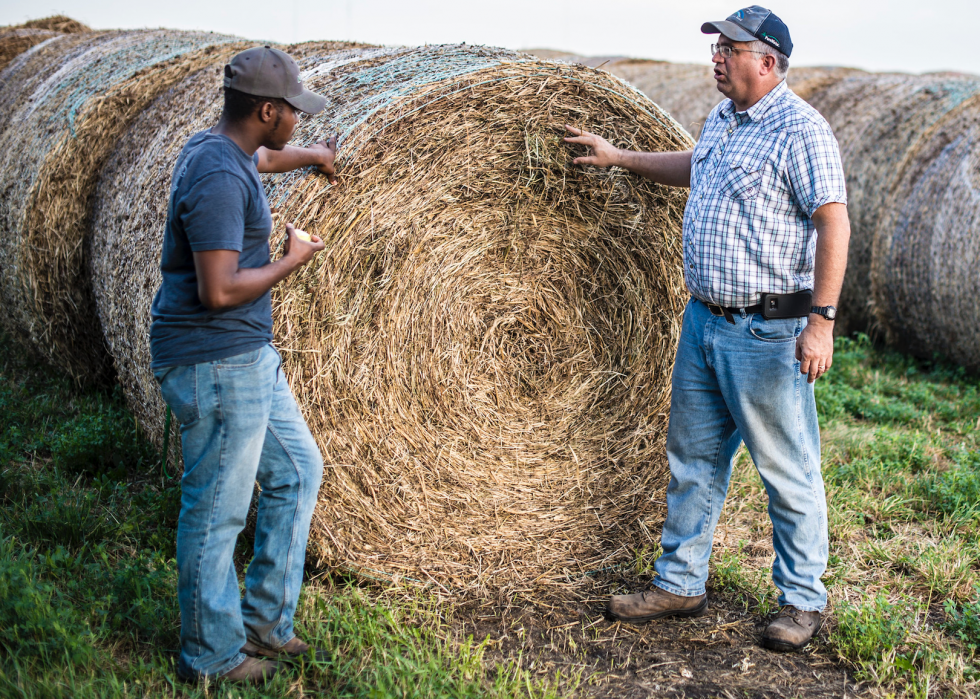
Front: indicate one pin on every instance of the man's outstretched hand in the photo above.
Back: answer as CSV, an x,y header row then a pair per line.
x,y
326,152
604,154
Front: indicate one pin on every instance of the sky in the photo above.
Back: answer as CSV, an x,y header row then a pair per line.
x,y
896,35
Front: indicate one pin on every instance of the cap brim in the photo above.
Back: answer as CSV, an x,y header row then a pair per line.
x,y
729,29
308,102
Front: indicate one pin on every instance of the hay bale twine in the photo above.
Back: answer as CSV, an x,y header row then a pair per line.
x,y
65,105
926,253
878,120
483,352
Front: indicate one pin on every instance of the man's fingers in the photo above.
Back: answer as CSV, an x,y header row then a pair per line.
x,y
577,132
290,228
584,160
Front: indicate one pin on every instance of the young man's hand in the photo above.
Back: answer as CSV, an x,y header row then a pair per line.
x,y
604,154
326,151
298,248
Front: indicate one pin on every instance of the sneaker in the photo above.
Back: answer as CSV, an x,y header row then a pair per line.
x,y
655,604
792,629
292,651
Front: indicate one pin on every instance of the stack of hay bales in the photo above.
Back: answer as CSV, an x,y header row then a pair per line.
x,y
63,105
909,256
483,350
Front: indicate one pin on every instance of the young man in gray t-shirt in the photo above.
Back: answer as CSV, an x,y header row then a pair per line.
x,y
210,342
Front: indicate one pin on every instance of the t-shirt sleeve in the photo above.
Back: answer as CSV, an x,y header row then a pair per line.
x,y
814,169
212,212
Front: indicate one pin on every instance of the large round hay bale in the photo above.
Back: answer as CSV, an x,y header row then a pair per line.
x,y
57,23
879,120
64,105
925,270
483,351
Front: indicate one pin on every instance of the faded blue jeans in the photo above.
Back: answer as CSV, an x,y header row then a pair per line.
x,y
239,424
733,383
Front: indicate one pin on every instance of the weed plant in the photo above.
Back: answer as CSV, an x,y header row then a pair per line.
x,y
88,577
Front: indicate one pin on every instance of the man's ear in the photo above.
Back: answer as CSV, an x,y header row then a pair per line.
x,y
266,112
768,64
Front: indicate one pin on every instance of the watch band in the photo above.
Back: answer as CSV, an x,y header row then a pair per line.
x,y
828,312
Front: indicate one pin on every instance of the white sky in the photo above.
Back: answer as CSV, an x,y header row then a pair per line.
x,y
906,35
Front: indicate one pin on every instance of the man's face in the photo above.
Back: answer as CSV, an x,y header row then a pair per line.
x,y
281,127
737,75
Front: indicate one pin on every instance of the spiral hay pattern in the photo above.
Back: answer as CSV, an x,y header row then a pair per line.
x,y
483,351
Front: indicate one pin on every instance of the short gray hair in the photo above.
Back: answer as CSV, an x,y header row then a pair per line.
x,y
782,62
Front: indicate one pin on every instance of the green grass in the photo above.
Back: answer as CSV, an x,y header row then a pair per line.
x,y
901,465
88,577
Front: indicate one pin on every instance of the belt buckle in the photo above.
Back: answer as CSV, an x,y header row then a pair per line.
x,y
715,310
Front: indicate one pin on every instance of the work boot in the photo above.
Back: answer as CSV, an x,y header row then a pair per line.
x,y
792,629
251,671
655,604
293,651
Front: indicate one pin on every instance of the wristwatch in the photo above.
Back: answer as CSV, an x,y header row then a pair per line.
x,y
828,312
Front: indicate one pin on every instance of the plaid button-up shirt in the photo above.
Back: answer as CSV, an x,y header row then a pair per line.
x,y
756,178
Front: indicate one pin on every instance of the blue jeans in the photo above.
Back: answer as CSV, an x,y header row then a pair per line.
x,y
239,424
733,383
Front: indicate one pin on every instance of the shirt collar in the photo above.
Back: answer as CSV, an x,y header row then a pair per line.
x,y
757,110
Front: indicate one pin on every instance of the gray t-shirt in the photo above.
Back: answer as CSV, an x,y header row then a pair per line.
x,y
216,203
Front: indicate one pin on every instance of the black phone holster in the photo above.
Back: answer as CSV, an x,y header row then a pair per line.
x,y
787,305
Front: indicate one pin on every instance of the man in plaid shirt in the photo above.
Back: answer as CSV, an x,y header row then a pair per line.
x,y
765,223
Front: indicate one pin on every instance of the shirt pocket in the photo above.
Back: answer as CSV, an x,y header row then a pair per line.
x,y
743,179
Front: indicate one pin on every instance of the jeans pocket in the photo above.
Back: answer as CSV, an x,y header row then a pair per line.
x,y
245,359
743,180
775,330
178,385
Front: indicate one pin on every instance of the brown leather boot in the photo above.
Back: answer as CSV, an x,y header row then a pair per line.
x,y
792,629
251,671
293,651
655,604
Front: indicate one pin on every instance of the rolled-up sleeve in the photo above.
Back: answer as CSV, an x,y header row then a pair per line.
x,y
814,170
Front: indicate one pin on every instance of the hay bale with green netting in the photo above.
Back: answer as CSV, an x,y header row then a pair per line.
x,y
14,42
878,120
925,270
483,351
64,105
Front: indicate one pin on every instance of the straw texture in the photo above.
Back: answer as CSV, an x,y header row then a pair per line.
x,y
68,102
879,121
483,351
926,253
15,41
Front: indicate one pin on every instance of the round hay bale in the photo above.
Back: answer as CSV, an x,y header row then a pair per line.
x,y
926,253
483,352
68,103
878,120
57,23
14,42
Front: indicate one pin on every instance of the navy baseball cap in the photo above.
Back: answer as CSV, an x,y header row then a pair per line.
x,y
753,23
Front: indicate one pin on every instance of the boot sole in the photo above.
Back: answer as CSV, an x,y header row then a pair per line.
x,y
682,613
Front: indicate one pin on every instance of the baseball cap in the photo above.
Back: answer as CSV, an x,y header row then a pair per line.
x,y
267,72
753,23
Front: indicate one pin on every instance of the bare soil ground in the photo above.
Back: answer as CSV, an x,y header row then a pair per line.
x,y
717,655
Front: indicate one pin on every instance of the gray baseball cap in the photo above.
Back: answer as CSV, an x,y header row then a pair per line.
x,y
751,23
267,72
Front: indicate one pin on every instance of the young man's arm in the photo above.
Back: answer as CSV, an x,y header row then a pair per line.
x,y
672,169
815,345
221,283
320,155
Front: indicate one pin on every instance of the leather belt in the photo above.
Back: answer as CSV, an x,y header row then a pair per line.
x,y
730,313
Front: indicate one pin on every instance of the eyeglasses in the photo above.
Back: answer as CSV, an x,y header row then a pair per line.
x,y
727,51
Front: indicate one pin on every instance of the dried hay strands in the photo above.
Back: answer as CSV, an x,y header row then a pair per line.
x,y
483,351
70,101
926,254
57,23
15,41
879,121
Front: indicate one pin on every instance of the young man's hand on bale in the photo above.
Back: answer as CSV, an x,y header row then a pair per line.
x,y
327,151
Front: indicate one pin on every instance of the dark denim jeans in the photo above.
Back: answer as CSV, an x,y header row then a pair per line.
x,y
239,424
733,383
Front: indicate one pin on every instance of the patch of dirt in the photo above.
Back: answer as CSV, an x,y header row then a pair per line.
x,y
717,655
